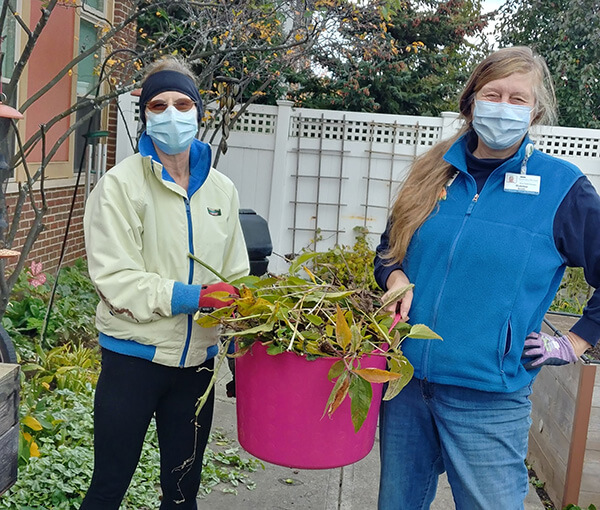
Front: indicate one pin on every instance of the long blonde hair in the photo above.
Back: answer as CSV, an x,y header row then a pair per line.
x,y
420,193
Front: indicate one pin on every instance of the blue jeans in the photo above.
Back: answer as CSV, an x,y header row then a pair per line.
x,y
478,438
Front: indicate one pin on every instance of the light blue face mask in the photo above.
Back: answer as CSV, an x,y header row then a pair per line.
x,y
172,131
500,125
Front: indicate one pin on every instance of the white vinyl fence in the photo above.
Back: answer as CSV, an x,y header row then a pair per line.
x,y
314,175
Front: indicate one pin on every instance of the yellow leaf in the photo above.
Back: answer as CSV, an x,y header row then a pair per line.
x,y
309,272
342,330
27,436
32,423
34,450
46,385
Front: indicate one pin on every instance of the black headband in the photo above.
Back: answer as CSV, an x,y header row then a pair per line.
x,y
164,81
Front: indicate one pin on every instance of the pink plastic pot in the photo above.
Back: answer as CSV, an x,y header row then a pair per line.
x,y
280,404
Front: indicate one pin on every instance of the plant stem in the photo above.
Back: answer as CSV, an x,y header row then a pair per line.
x,y
221,356
212,270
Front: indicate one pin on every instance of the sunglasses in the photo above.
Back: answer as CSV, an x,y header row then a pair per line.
x,y
159,106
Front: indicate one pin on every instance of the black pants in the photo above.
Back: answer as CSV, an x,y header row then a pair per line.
x,y
130,391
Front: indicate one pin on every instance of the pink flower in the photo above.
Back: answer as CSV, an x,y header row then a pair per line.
x,y
36,277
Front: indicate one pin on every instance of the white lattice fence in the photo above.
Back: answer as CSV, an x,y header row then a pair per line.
x,y
318,174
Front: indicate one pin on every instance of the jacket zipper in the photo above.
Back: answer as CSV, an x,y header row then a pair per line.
x,y
436,307
188,335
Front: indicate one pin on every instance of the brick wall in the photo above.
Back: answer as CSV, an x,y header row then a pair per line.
x,y
48,245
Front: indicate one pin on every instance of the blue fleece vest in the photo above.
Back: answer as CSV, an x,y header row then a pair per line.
x,y
485,269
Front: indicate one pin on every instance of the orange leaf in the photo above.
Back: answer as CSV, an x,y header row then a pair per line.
x,y
376,375
340,395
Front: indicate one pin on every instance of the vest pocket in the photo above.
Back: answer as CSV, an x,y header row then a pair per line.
x,y
505,342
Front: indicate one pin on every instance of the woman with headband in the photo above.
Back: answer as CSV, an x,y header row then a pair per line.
x,y
142,220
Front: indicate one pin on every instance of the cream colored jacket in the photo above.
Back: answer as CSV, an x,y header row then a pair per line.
x,y
139,228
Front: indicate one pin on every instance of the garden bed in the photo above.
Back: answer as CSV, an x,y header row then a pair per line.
x,y
564,440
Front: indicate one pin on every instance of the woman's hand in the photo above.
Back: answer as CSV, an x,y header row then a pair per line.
x,y
395,281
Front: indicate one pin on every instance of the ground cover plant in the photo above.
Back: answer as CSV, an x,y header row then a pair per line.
x,y
58,377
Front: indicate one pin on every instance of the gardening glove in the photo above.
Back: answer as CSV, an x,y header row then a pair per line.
x,y
208,302
544,349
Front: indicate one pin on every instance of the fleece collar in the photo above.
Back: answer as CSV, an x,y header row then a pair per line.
x,y
200,161
457,154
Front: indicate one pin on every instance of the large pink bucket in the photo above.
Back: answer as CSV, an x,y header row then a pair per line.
x,y
280,404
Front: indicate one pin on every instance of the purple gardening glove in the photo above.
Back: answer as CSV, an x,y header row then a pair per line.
x,y
544,349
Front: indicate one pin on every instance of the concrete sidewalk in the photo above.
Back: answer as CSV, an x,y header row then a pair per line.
x,y
352,487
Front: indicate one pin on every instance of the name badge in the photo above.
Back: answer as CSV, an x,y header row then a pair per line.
x,y
522,183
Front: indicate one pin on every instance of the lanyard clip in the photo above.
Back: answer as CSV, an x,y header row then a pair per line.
x,y
528,153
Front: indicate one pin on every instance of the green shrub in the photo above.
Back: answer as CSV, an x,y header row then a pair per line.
x,y
348,266
72,315
573,292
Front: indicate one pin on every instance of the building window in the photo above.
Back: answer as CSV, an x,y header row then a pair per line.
x,y
9,44
86,78
95,4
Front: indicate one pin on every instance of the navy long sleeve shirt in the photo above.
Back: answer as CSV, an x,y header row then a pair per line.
x,y
576,232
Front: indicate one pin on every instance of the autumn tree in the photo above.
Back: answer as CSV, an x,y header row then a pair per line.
x,y
567,34
425,53
238,47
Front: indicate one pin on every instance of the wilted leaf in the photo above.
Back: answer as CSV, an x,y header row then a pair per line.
x,y
376,375
340,395
342,330
341,381
396,295
401,366
309,272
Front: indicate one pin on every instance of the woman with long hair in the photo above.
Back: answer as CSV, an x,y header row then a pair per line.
x,y
483,226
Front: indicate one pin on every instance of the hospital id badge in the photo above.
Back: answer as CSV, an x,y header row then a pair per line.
x,y
522,183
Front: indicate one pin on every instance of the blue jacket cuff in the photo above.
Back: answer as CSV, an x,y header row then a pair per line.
x,y
586,329
382,274
185,298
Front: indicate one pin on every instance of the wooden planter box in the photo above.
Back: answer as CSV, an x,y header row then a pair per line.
x,y
564,440
9,424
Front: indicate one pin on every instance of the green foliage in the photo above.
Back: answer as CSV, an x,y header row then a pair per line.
x,y
56,419
573,292
575,507
60,423
72,314
223,465
565,33
316,318
347,266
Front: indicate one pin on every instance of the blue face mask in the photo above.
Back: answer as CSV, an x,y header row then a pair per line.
x,y
500,125
172,131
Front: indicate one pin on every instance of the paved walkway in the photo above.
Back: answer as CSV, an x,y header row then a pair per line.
x,y
352,487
